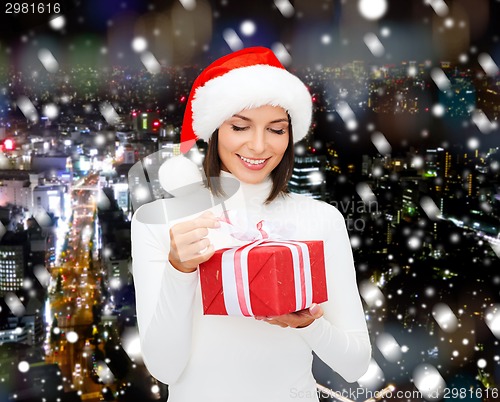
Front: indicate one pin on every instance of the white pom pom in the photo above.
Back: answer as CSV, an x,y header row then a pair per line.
x,y
179,176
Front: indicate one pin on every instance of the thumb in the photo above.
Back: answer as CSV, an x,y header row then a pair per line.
x,y
316,311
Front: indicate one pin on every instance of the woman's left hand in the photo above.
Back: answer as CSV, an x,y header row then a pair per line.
x,y
299,319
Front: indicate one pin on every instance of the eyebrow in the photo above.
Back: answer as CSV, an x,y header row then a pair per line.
x,y
271,122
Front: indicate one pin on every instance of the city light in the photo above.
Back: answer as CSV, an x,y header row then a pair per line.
x,y
9,144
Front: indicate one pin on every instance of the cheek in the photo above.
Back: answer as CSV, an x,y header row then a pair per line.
x,y
228,142
281,145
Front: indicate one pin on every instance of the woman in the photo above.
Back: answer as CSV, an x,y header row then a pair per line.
x,y
251,110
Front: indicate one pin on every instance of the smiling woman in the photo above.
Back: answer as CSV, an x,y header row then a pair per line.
x,y
251,111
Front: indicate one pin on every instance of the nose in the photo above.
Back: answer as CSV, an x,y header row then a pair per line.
x,y
257,141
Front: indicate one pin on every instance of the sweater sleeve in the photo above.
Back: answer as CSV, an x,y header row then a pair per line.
x,y
164,302
340,338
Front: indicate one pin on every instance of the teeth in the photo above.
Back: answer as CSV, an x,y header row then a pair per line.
x,y
252,161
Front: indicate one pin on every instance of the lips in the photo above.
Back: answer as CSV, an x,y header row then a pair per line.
x,y
252,163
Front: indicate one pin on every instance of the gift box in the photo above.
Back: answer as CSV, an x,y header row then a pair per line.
x,y
264,278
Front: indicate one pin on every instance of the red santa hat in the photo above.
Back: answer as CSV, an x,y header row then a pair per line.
x,y
245,79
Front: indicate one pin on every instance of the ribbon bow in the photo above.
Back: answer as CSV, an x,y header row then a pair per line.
x,y
235,276
237,225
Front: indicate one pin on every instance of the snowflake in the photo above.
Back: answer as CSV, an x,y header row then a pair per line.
x,y
48,60
58,22
372,9
51,111
23,366
381,143
374,44
232,39
488,64
285,8
248,28
438,110
139,44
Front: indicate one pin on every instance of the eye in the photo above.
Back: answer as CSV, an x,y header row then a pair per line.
x,y
278,130
238,128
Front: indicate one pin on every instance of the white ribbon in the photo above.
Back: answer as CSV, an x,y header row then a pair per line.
x,y
245,229
235,278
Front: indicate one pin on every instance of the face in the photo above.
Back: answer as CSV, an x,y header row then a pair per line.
x,y
253,142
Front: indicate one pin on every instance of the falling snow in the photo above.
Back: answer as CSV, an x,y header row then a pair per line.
x,y
439,6
285,7
421,209
438,110
347,115
150,62
57,23
488,64
381,143
48,60
482,122
232,39
51,110
23,366
440,79
374,44
372,9
248,28
139,44
189,5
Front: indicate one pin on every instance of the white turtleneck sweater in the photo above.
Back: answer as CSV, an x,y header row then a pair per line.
x,y
223,358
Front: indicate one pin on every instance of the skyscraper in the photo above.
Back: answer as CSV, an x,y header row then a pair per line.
x,y
307,177
13,253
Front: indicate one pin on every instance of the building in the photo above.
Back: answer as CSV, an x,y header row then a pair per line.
x,y
57,166
117,264
49,198
16,188
146,122
460,98
114,232
13,262
25,189
307,176
27,329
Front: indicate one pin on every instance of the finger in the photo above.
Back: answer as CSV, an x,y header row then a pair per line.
x,y
295,320
194,250
316,311
200,222
205,256
273,321
199,258
208,214
193,236
206,222
180,240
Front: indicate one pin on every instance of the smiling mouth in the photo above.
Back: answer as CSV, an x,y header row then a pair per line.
x,y
252,161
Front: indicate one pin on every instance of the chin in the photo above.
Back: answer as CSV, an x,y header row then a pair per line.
x,y
252,178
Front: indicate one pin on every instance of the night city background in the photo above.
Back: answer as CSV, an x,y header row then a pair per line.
x,y
404,142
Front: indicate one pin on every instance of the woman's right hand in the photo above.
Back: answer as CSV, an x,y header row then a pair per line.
x,y
189,245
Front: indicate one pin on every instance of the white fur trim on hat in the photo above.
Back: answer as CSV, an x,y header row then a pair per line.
x,y
247,88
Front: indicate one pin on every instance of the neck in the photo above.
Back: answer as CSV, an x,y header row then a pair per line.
x,y
256,192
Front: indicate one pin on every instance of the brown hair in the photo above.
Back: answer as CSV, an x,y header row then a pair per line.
x,y
280,175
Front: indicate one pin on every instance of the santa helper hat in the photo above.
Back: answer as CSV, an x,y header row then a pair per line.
x,y
245,79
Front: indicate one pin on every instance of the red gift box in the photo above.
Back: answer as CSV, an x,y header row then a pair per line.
x,y
264,278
